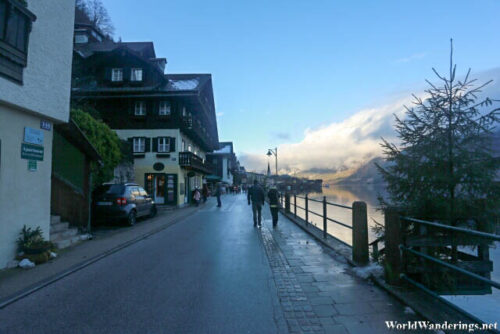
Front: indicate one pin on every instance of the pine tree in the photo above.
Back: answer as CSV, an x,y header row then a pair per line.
x,y
443,169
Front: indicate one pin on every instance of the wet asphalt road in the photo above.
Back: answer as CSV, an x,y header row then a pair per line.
x,y
206,274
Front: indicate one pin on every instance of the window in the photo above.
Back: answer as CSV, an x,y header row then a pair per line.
x,y
15,27
136,74
163,144
117,74
139,145
140,108
81,38
164,109
190,148
183,146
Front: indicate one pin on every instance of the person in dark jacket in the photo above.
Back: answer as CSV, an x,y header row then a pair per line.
x,y
218,193
274,204
257,196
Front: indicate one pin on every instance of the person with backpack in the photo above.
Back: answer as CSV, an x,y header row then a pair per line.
x,y
273,196
256,196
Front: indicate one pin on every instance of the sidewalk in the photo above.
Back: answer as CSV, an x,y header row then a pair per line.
x,y
319,291
106,241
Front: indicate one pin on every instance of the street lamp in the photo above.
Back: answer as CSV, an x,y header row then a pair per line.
x,y
275,153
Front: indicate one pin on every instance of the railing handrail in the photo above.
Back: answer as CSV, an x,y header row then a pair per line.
x,y
451,266
329,203
454,228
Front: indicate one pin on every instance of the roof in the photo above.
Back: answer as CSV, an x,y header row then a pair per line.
x,y
185,82
224,148
143,49
190,84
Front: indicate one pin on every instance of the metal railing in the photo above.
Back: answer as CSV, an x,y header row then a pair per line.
x,y
359,225
418,252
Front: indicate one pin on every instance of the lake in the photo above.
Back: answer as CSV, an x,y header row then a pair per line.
x,y
484,307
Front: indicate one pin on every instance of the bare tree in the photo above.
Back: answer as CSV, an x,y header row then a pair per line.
x,y
98,15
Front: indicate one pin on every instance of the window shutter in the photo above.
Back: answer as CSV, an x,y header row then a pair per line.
x,y
148,145
155,144
107,74
131,143
172,144
127,74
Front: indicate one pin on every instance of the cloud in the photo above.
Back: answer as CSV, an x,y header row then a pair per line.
x,y
336,146
415,56
281,135
219,114
353,141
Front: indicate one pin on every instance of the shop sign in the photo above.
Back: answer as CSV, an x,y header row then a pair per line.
x,y
158,166
31,152
33,136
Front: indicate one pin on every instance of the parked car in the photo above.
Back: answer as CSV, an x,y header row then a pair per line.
x,y
126,201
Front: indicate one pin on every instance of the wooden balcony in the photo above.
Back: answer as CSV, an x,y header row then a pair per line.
x,y
190,161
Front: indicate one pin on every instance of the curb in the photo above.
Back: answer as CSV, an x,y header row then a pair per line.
x,y
40,285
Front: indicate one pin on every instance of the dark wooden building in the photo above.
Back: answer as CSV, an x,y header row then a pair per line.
x,y
169,119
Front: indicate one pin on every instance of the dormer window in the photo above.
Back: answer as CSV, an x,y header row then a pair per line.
x,y
136,74
140,108
117,74
164,109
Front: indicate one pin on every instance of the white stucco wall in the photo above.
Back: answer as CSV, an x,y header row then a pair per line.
x,y
45,94
24,195
47,78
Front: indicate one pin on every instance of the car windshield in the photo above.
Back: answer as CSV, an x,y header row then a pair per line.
x,y
111,189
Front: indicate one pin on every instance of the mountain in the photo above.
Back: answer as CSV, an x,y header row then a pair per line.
x,y
365,174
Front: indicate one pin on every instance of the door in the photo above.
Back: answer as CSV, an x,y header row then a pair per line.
x,y
171,189
159,191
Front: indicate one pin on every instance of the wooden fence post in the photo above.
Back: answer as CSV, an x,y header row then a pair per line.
x,y
287,202
307,211
360,254
393,238
295,205
325,215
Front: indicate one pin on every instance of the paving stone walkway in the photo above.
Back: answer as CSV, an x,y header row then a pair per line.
x,y
318,290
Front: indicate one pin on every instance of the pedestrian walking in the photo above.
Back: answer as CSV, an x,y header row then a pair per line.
x,y
256,196
218,193
196,196
273,196
204,193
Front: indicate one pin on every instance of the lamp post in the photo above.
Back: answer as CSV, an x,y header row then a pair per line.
x,y
275,153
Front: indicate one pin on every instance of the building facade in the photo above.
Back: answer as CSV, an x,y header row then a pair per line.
x,y
35,81
224,163
168,119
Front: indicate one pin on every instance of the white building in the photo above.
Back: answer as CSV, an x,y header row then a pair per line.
x,y
36,48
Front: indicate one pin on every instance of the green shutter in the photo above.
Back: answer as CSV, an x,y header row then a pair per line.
x,y
172,144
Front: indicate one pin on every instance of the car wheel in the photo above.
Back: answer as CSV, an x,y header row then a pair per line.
x,y
153,212
132,217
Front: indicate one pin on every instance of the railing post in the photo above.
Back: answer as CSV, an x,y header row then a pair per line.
x,y
360,253
307,211
295,205
287,202
393,238
325,232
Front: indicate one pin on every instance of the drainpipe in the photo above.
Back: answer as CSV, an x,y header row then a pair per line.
x,y
89,195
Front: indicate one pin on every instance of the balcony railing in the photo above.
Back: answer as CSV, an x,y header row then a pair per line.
x,y
189,160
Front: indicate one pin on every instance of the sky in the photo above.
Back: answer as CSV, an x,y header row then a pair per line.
x,y
319,79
